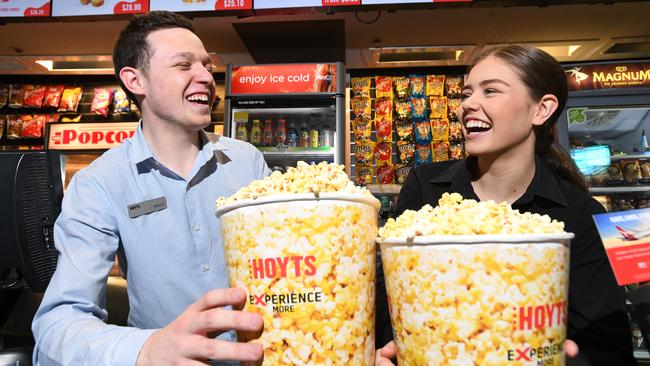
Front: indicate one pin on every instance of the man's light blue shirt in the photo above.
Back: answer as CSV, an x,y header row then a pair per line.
x,y
174,255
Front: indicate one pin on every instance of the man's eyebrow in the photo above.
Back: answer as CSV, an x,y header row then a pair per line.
x,y
183,55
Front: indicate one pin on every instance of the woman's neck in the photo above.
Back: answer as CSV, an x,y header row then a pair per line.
x,y
504,178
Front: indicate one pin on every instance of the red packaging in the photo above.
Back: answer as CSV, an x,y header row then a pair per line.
x,y
384,129
101,101
385,173
32,127
384,152
34,95
53,96
383,108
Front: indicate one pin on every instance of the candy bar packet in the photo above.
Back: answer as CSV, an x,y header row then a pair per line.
x,y
385,173
364,174
360,87
405,152
438,107
454,86
362,128
401,172
383,87
401,84
384,129
384,151
364,151
416,82
435,85
440,151
404,129
439,130
361,107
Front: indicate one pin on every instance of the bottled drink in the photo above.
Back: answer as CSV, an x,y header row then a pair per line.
x,y
256,133
304,135
267,136
313,137
281,132
242,132
292,135
326,138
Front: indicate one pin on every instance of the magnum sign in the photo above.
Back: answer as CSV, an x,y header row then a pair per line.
x,y
588,77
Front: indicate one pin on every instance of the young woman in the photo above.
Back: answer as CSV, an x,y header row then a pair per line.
x,y
512,99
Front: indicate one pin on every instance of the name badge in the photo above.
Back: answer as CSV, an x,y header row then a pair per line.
x,y
147,207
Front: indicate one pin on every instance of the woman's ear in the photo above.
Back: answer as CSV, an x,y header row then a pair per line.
x,y
545,108
132,79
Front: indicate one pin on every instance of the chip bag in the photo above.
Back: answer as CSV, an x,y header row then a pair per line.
x,y
383,87
454,86
384,129
418,108
32,127
70,99
435,85
364,151
3,122
452,107
401,172
361,107
14,125
438,107
53,95
422,132
384,151
422,154
120,102
404,129
360,87
439,130
101,101
4,95
362,128
383,108
416,83
402,109
405,152
456,151
385,173
364,175
455,131
401,85
440,151
16,96
33,97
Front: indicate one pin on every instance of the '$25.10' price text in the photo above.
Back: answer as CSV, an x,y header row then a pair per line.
x,y
233,3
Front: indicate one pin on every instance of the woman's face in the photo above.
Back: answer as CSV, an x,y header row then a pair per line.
x,y
497,112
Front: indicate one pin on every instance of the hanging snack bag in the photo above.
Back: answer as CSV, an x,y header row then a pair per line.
x,y
645,171
435,85
631,171
405,152
120,102
3,122
385,173
438,107
70,99
384,151
402,109
439,130
455,131
384,129
360,87
404,129
361,107
101,101
440,151
422,154
422,132
53,95
72,118
4,95
362,128
452,106
364,175
363,152
16,96
418,108
401,172
32,127
383,87
401,87
416,83
14,125
454,86
383,108
33,97
456,151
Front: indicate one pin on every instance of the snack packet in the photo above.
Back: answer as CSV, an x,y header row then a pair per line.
x,y
34,95
401,172
456,151
452,106
70,99
364,175
401,87
14,125
438,107
422,132
383,87
402,109
363,152
4,94
360,87
16,96
405,152
361,107
362,128
120,102
440,151
101,101
418,108
454,86
404,129
422,154
439,130
435,85
384,129
385,173
384,151
416,83
383,108
53,96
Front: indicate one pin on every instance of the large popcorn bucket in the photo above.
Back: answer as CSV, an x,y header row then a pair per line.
x,y
478,300
308,265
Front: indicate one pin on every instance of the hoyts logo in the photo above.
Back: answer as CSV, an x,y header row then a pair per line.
x,y
72,136
540,316
282,266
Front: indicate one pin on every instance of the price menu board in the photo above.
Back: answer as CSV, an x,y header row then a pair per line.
x,y
24,8
279,4
98,7
200,5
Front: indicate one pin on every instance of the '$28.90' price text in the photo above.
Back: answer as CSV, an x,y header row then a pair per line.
x,y
233,3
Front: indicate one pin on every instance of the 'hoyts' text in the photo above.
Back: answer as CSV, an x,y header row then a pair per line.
x,y
282,266
540,316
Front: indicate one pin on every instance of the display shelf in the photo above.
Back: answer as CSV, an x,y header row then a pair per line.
x,y
384,189
283,151
624,189
630,157
641,354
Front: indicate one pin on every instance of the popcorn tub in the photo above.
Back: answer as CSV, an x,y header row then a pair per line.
x,y
479,299
308,265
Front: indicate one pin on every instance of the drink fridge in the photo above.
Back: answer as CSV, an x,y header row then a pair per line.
x,y
290,112
605,126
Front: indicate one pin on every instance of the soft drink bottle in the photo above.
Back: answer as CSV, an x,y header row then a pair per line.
x,y
256,133
304,135
242,132
292,135
281,132
267,136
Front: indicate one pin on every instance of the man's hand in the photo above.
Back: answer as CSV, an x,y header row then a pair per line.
x,y
385,355
186,341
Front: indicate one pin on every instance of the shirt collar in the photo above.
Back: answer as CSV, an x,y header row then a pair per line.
x,y
544,183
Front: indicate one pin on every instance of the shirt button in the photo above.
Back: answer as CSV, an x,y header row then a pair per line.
x,y
197,227
205,268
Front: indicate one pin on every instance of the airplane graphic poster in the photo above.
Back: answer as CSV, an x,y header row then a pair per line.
x,y
626,237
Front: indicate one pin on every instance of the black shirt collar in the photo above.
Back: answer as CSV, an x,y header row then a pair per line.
x,y
544,185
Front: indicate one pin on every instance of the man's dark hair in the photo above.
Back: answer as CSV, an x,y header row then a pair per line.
x,y
131,48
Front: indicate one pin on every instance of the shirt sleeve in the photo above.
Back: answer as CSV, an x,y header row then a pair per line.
x,y
69,327
597,319
259,164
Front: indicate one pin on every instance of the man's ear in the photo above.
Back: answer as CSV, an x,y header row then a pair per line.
x,y
133,79
545,108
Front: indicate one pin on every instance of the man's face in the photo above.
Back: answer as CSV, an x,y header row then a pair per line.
x,y
178,88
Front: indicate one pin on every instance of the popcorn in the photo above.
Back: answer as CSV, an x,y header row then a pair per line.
x,y
308,267
305,178
456,216
487,302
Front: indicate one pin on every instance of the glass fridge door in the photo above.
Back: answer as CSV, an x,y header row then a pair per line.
x,y
288,135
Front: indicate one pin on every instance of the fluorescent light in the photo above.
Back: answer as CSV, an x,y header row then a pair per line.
x,y
48,64
573,48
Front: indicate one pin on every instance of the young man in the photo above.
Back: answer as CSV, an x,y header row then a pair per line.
x,y
152,201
